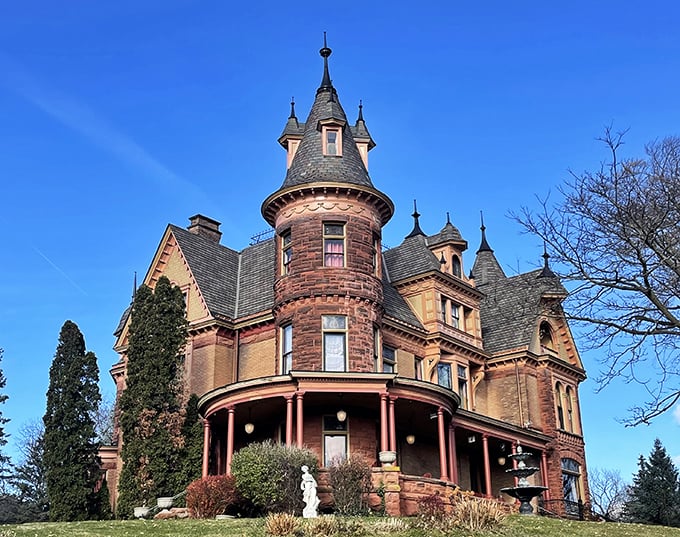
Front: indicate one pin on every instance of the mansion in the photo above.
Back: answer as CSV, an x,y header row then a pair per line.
x,y
431,369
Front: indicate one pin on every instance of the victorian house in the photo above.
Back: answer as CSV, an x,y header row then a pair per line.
x,y
318,336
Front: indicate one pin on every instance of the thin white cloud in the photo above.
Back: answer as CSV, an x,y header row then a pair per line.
x,y
676,413
94,128
60,271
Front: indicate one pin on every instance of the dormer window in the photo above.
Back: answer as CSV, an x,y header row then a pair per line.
x,y
332,141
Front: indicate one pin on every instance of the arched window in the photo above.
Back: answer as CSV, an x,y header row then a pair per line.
x,y
546,336
455,266
559,394
571,485
569,405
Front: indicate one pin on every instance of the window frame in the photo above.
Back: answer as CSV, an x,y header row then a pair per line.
x,y
340,430
286,331
329,239
327,330
326,131
286,251
444,366
462,375
559,395
389,361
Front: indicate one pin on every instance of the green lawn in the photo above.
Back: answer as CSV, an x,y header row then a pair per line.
x,y
514,526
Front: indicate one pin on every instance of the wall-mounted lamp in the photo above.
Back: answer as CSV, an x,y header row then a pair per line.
x,y
501,460
472,439
341,415
410,439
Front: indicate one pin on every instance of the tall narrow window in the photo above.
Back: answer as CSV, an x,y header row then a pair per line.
x,y
286,348
418,367
334,245
455,315
334,342
559,395
376,348
334,440
455,266
570,409
388,359
286,252
376,256
444,375
331,142
571,475
463,386
444,306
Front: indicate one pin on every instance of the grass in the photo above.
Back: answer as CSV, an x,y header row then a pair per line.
x,y
514,526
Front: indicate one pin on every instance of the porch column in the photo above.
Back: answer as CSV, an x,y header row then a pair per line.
x,y
230,437
453,458
544,474
383,422
206,447
442,445
289,420
393,427
487,465
300,418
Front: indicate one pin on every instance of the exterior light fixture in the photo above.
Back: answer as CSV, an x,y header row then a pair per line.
x,y
501,460
341,415
249,427
410,439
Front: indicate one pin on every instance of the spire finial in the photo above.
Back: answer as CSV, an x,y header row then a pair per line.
x,y
292,108
325,52
483,245
546,272
448,217
416,225
361,111
134,286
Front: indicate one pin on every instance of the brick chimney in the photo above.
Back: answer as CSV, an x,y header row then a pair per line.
x,y
205,227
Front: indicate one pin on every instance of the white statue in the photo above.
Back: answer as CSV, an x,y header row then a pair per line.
x,y
308,486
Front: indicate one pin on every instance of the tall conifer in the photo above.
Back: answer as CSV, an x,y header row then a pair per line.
x,y
654,497
151,414
71,462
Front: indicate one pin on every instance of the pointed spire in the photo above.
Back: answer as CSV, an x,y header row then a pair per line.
x,y
484,245
448,218
361,111
134,286
416,225
292,109
326,84
546,272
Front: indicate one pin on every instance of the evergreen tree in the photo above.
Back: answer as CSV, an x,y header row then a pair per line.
x,y
654,497
192,454
151,413
71,461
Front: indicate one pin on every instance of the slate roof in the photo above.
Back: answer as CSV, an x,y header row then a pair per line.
x,y
449,233
410,258
510,308
397,307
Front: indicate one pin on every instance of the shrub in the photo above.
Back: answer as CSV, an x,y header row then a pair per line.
x,y
431,514
268,475
474,514
281,524
351,482
212,496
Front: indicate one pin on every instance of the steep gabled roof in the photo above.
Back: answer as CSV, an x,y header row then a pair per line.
x,y
396,307
410,258
256,278
511,307
215,268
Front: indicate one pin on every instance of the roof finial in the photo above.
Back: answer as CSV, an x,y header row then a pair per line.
x,y
448,217
134,286
416,225
292,108
325,52
361,111
484,245
546,272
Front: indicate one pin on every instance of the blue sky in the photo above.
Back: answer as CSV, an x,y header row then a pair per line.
x,y
118,118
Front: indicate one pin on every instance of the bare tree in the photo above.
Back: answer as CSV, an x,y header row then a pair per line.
x,y
608,493
615,233
104,418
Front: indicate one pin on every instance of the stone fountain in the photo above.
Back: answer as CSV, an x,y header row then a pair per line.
x,y
524,491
